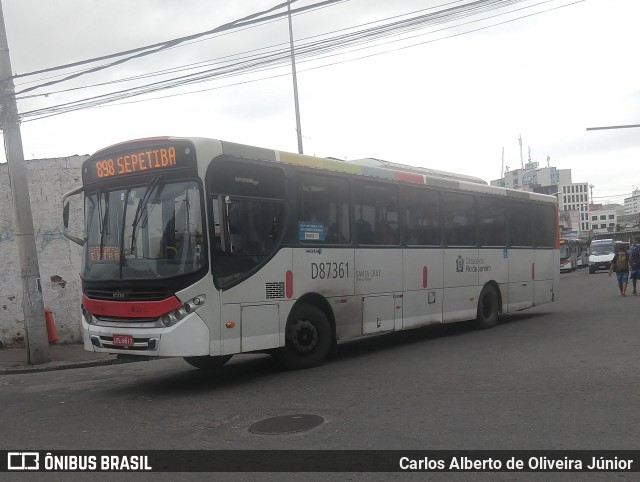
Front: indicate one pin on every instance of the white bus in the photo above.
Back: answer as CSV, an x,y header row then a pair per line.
x,y
570,250
203,249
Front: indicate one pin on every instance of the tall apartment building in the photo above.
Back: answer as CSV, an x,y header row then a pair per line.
x,y
632,204
575,197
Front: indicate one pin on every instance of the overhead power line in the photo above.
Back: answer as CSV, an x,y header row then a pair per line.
x,y
158,47
314,48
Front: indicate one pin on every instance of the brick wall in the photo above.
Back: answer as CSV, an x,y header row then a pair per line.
x,y
59,258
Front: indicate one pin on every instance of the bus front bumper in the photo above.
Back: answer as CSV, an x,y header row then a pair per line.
x,y
188,337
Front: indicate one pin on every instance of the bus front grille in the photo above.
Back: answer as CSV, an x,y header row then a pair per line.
x,y
139,344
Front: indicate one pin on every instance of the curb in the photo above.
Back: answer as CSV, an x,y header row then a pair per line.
x,y
54,366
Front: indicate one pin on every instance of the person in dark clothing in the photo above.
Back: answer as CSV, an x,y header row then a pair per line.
x,y
634,262
620,264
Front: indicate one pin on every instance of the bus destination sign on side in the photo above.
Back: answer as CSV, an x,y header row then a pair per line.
x,y
144,160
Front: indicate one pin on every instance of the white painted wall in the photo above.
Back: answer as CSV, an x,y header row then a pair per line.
x,y
59,259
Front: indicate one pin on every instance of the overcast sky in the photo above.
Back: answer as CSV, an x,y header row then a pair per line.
x,y
444,96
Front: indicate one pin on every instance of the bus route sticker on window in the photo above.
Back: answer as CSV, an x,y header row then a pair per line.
x,y
310,231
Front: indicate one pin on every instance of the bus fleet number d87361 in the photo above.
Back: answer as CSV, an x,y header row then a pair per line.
x,y
329,270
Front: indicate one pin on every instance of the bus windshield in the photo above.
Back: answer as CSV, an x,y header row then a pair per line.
x,y
564,251
145,232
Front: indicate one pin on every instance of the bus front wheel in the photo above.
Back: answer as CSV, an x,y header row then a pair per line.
x,y
308,339
207,362
487,308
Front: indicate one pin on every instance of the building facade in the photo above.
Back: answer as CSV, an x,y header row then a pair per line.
x,y
574,197
59,260
604,220
632,204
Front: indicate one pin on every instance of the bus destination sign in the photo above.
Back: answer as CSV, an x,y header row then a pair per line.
x,y
144,160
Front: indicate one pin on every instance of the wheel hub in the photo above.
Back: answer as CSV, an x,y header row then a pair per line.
x,y
304,336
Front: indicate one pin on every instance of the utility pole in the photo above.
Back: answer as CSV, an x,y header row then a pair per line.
x,y
295,81
35,327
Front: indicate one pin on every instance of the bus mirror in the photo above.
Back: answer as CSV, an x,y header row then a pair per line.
x,y
65,215
66,211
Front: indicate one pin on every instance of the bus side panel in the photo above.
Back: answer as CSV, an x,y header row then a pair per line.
x,y
521,270
347,311
460,284
378,271
493,266
423,291
260,327
231,335
330,272
327,271
253,307
545,268
256,288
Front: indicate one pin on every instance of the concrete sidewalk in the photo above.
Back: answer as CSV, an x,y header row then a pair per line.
x,y
14,360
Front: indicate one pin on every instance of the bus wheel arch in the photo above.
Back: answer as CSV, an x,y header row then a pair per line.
x,y
310,334
489,306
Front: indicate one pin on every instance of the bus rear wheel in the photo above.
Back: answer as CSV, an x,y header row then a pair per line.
x,y
487,308
207,362
308,339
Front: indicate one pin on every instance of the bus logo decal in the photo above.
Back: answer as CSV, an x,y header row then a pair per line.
x,y
459,264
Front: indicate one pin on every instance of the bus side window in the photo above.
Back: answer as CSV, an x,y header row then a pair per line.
x,y
376,214
421,217
459,219
323,210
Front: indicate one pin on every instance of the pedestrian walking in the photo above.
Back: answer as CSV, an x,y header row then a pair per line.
x,y
634,263
620,264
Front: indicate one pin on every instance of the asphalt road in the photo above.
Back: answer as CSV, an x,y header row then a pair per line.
x,y
559,376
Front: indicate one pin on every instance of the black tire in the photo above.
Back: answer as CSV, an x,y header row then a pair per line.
x,y
591,270
487,316
308,339
207,362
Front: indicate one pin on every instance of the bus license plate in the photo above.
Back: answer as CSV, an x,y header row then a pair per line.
x,y
122,340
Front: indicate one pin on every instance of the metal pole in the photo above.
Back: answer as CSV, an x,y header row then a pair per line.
x,y
35,327
612,127
295,81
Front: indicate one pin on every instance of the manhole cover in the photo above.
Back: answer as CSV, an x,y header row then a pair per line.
x,y
286,424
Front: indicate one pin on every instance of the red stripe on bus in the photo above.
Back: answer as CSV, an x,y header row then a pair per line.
x,y
408,177
425,276
131,309
289,284
557,245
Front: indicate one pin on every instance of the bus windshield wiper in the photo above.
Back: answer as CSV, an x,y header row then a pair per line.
x,y
100,213
104,219
141,204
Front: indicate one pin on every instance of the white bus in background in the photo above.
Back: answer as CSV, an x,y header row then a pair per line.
x,y
203,249
569,252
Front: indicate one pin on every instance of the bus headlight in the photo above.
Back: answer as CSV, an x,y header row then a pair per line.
x,y
193,304
190,306
88,317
